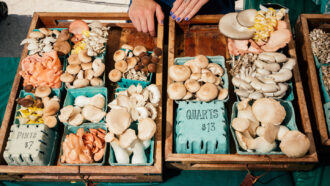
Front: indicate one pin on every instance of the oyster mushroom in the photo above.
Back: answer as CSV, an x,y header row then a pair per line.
x,y
84,57
42,91
246,17
62,47
179,72
66,77
294,144
36,35
207,92
73,69
89,74
139,156
230,27
74,59
176,91
268,110
146,128
127,138
65,113
92,113
86,66
114,75
118,120
79,83
121,154
261,145
51,107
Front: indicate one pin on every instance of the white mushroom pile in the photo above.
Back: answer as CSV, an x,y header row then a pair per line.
x,y
45,40
264,75
85,108
320,43
96,38
198,80
134,63
82,72
133,104
257,129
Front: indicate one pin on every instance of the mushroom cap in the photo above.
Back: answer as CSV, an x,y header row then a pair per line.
x,y
98,101
240,124
246,17
96,81
127,138
84,57
215,69
131,62
223,94
146,128
118,120
86,66
194,67
50,121
98,67
92,113
229,27
51,108
46,31
281,132
79,83
127,47
121,65
270,132
179,72
65,113
114,75
192,85
74,59
42,91
176,91
66,77
76,118
268,110
119,55
196,76
188,95
207,92
201,61
138,50
89,74
295,144
73,69
64,35
62,47
243,141
261,145
36,35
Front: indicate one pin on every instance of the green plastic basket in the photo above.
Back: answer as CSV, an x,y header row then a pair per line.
x,y
327,115
289,121
73,129
220,60
54,92
149,151
323,89
88,92
201,128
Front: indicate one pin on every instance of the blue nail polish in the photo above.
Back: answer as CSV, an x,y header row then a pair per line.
x,y
178,19
186,19
171,13
173,16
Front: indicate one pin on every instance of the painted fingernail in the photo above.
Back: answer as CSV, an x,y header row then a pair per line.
x,y
162,22
171,13
173,16
186,18
178,19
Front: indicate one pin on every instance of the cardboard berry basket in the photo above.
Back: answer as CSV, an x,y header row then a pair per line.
x,y
201,35
316,96
119,33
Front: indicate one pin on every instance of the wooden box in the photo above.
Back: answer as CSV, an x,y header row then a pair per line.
x,y
119,34
201,36
304,26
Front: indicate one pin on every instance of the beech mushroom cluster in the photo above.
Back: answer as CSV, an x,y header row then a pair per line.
x,y
258,127
82,71
84,147
85,108
264,30
134,63
198,80
46,40
42,109
264,75
133,104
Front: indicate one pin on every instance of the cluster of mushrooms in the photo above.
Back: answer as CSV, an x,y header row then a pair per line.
x,y
320,43
134,63
252,31
41,109
326,77
46,40
197,80
82,71
85,108
258,127
84,146
133,104
264,75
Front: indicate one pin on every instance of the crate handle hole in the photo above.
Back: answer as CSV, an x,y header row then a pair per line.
x,y
187,144
216,144
202,145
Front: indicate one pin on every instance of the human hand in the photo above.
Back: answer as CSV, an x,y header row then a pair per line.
x,y
142,14
186,9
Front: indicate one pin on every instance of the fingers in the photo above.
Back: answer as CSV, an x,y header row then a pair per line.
x,y
144,27
176,5
151,25
195,9
159,15
183,15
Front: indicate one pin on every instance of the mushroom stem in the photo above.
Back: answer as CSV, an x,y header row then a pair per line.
x,y
120,153
139,156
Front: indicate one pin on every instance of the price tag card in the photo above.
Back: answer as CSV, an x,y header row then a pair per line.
x,y
201,128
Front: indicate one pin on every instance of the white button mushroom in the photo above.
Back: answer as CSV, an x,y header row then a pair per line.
x,y
179,72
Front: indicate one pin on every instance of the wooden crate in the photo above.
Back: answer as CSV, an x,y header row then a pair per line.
x,y
304,26
201,36
119,34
